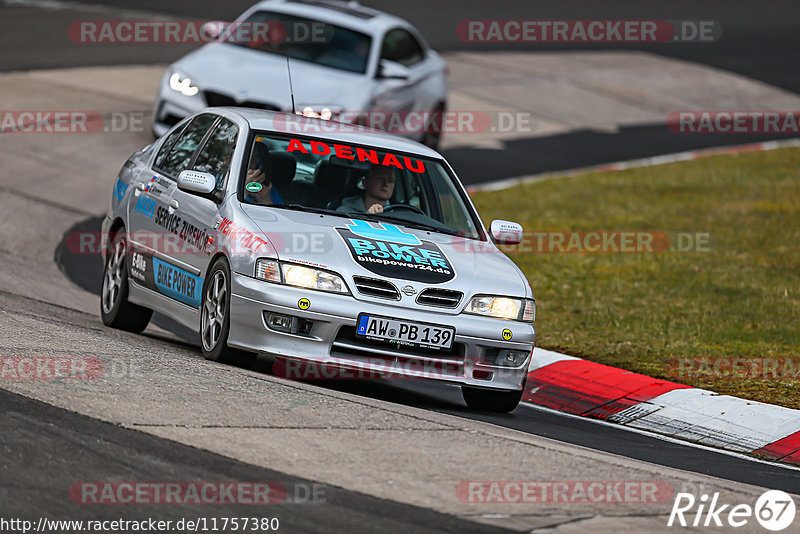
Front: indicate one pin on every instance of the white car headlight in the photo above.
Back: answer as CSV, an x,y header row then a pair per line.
x,y
503,307
319,111
182,84
307,277
292,274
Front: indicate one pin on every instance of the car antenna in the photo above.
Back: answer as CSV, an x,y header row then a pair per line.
x,y
291,89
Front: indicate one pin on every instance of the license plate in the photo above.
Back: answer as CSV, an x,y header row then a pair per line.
x,y
404,332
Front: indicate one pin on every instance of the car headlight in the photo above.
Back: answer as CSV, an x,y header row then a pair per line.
x,y
503,308
319,111
268,270
307,277
183,84
292,274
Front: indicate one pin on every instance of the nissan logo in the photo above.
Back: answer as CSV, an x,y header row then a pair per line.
x,y
408,291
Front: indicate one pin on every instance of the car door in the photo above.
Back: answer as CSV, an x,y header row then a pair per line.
x,y
199,214
402,96
153,218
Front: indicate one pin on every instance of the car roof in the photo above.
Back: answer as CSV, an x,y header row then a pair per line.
x,y
347,14
353,134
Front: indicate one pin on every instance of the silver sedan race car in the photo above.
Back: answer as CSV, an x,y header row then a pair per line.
x,y
321,244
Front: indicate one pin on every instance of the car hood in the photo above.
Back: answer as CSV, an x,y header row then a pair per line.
x,y
322,241
255,76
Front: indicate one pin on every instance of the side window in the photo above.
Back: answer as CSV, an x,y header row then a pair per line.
x,y
182,151
400,46
215,156
168,142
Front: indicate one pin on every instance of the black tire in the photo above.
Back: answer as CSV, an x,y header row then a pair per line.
x,y
115,309
215,318
433,128
487,400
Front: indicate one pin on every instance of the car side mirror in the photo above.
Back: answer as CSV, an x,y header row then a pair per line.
x,y
196,182
506,232
213,29
392,70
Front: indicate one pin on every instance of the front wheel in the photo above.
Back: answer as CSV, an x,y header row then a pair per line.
x,y
491,401
115,309
215,317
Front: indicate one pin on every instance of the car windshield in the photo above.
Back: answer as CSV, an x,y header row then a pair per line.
x,y
303,39
356,181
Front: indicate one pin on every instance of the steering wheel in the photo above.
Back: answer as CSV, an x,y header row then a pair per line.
x,y
392,207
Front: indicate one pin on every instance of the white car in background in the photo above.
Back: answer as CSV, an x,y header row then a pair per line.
x,y
348,62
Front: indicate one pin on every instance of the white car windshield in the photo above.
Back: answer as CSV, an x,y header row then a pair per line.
x,y
352,180
306,40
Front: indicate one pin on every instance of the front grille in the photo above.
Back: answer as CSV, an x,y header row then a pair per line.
x,y
214,99
374,287
441,298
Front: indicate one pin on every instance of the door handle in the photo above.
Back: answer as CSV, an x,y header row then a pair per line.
x,y
174,204
140,186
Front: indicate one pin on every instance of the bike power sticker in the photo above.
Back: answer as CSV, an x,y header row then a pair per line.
x,y
388,251
167,279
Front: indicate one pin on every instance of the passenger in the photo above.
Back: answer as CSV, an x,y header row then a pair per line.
x,y
266,195
378,187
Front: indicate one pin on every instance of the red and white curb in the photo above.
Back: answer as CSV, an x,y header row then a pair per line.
x,y
635,163
598,391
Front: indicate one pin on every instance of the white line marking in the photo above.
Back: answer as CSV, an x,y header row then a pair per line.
x,y
499,185
661,437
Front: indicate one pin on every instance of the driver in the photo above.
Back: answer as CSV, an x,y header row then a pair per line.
x,y
378,187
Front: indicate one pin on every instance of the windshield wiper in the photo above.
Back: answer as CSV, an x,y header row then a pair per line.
x,y
299,207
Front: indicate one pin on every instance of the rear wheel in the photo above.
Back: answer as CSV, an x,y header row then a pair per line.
x,y
215,318
490,400
115,309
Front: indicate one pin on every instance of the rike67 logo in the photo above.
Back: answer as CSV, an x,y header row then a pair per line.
x,y
774,510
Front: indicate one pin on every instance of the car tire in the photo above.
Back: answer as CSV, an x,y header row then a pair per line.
x,y
115,309
215,318
488,400
432,137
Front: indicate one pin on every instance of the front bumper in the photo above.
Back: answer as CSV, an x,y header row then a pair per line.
x,y
330,341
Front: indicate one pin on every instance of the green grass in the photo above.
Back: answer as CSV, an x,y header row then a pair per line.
x,y
644,311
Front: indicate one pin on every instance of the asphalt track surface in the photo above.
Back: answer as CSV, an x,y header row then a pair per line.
x,y
72,447
86,272
759,40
